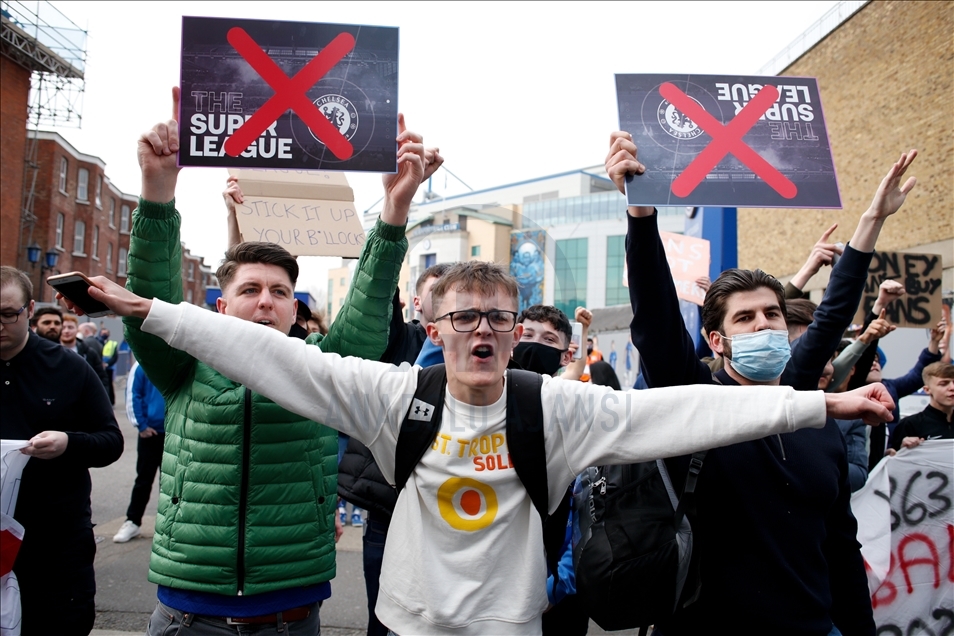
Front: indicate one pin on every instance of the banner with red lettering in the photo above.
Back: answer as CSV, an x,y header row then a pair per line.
x,y
905,518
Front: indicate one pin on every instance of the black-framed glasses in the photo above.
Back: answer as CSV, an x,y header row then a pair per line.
x,y
467,320
8,318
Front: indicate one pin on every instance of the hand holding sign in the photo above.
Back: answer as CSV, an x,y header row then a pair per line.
x,y
622,165
157,157
47,445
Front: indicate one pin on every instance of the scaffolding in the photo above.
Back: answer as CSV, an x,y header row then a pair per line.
x,y
38,37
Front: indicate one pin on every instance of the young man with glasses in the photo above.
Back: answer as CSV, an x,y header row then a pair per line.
x,y
465,550
52,399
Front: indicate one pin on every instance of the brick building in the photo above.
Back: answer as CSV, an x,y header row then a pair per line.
x,y
85,219
79,213
886,77
14,90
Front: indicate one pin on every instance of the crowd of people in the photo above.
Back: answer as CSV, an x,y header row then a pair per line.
x,y
461,431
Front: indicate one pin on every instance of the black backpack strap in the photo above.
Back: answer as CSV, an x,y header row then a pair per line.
x,y
421,423
525,442
687,502
525,435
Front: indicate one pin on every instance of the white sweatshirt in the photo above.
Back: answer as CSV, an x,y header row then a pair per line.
x,y
464,553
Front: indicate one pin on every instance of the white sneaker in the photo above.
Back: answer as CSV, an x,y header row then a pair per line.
x,y
127,532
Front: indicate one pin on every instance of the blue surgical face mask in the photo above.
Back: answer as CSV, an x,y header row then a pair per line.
x,y
760,356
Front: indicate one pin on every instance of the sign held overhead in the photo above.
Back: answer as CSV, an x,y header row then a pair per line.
x,y
728,141
288,95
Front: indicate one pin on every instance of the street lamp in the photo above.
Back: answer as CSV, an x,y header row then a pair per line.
x,y
49,259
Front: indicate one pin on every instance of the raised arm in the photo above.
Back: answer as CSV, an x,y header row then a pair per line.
x,y
823,253
155,251
666,352
233,195
362,326
814,349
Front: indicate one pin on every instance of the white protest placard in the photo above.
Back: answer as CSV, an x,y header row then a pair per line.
x,y
905,516
309,213
12,463
688,261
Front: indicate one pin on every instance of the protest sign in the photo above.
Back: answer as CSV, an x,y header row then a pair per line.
x,y
729,141
12,463
290,95
308,213
920,306
906,530
688,260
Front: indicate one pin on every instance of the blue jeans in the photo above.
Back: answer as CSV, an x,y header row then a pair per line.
x,y
375,534
166,621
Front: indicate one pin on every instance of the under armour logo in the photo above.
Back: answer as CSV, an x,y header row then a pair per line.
x,y
421,411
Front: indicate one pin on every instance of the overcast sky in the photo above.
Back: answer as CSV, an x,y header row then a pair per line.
x,y
508,91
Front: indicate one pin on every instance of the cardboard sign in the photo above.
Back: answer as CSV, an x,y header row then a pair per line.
x,y
307,213
906,533
920,306
729,141
289,95
688,260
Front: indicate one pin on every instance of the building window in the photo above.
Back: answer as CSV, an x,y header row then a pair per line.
x,y
343,282
188,295
429,260
475,250
331,293
191,274
570,275
112,212
79,238
124,220
121,265
109,258
616,294
99,192
82,185
60,222
95,251
64,172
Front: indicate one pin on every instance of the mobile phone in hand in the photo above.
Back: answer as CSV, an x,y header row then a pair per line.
x,y
577,338
75,287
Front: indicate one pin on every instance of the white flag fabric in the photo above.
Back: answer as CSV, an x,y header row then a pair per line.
x,y
12,462
905,518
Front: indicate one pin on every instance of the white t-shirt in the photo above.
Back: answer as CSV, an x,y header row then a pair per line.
x,y
464,553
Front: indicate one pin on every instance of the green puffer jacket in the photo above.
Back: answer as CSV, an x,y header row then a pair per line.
x,y
247,489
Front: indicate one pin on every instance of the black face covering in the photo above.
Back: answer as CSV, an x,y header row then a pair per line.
x,y
537,357
297,331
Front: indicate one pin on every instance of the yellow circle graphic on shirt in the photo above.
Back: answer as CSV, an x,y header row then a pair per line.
x,y
467,504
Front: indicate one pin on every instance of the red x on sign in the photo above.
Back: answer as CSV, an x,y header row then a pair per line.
x,y
289,93
726,139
